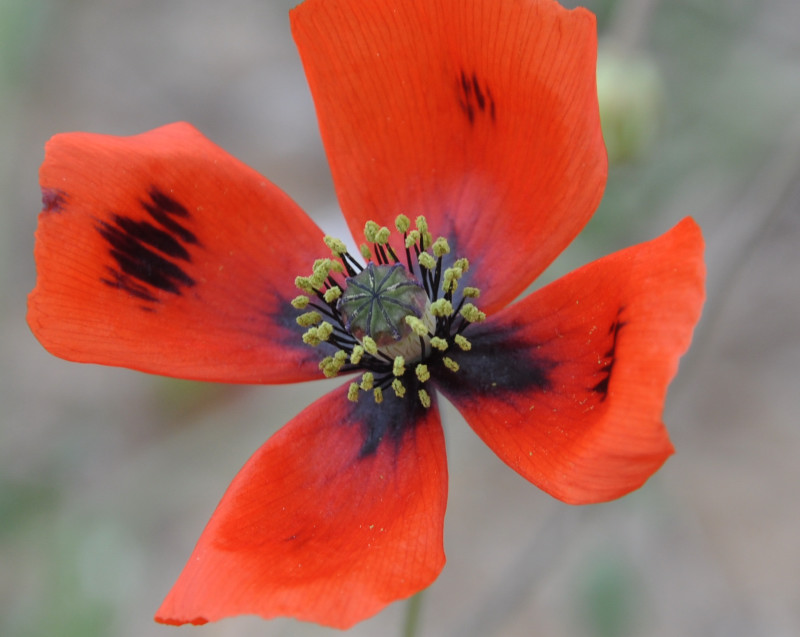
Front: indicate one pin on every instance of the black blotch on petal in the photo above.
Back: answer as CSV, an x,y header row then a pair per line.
x,y
498,363
149,255
388,422
53,200
609,357
474,97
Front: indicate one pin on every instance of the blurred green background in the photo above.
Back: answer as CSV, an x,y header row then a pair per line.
x,y
107,476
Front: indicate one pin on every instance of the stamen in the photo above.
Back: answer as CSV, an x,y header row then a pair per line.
x,y
367,381
378,394
399,389
440,247
300,302
439,343
427,261
422,372
352,392
442,307
462,342
370,345
399,367
337,246
356,354
309,318
450,364
402,223
424,398
472,313
332,294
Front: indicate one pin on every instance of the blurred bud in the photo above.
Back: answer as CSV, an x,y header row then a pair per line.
x,y
630,93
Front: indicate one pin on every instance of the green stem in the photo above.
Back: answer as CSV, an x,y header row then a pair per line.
x,y
413,607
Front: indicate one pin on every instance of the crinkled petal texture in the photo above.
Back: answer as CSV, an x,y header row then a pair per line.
x,y
568,385
481,115
338,514
163,253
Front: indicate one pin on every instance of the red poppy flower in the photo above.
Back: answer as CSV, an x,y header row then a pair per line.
x,y
162,253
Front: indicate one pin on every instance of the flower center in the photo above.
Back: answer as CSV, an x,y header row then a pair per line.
x,y
386,315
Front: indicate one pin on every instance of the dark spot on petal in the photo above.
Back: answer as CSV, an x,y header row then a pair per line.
x,y
53,200
474,97
390,420
609,357
148,256
497,364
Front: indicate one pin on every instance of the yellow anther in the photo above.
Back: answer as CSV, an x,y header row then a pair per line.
x,y
352,392
412,238
333,293
471,293
422,224
308,318
370,231
365,251
402,223
337,246
439,343
367,381
330,365
356,354
424,398
399,388
399,367
422,372
311,337
304,284
450,364
382,236
440,247
324,331
300,302
442,307
417,325
472,313
462,342
427,261
378,394
451,277
462,264
370,345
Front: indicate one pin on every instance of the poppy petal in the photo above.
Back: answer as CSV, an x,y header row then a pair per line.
x,y
568,385
163,253
337,515
480,115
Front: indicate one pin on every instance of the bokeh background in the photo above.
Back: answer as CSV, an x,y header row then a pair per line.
x,y
108,476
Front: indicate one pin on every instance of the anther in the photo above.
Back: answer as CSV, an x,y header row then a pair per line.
x,y
367,381
300,302
472,313
424,398
352,392
439,343
399,389
450,364
462,342
308,318
422,372
402,223
399,367
332,294
378,395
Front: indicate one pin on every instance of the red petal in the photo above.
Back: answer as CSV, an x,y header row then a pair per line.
x,y
480,115
163,253
337,515
568,385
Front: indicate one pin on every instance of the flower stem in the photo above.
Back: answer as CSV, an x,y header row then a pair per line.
x,y
413,607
